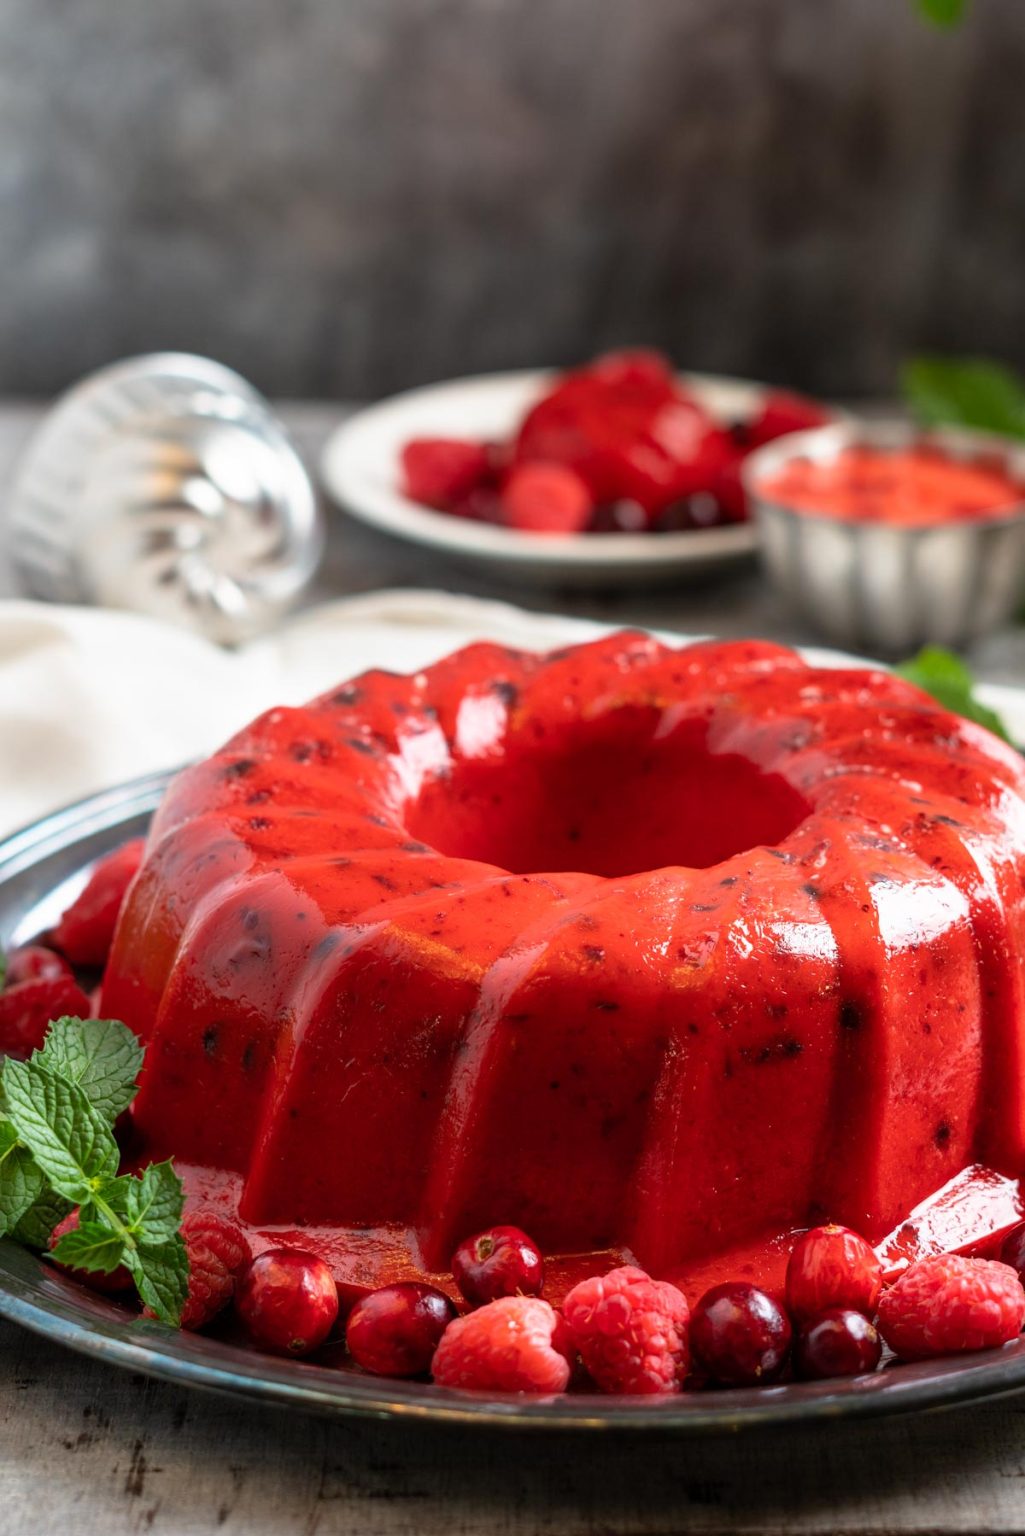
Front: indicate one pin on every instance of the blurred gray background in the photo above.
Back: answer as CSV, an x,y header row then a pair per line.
x,y
343,197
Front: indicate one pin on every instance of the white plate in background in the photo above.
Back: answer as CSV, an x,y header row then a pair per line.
x,y
360,470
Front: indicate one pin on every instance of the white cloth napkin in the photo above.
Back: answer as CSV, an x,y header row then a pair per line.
x,y
91,698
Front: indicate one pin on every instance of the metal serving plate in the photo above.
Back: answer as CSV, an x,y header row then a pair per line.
x,y
39,869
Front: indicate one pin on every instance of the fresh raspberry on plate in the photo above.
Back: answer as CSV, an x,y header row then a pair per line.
x,y
631,1331
27,1008
546,498
442,471
86,931
34,962
507,1346
218,1252
946,1304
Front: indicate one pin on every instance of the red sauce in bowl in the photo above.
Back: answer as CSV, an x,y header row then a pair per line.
x,y
918,486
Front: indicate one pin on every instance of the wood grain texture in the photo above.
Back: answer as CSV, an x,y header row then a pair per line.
x,y
95,1451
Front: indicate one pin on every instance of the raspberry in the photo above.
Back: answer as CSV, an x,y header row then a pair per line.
x,y
832,1267
34,962
507,1346
86,931
218,1252
631,1331
945,1304
113,1284
27,1008
441,471
546,498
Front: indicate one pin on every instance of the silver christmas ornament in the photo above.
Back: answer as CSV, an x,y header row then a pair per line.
x,y
164,484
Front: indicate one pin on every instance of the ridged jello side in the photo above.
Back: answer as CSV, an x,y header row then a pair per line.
x,y
632,946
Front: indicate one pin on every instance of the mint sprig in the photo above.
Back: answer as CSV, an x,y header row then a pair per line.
x,y
966,392
104,1059
57,1149
943,13
947,679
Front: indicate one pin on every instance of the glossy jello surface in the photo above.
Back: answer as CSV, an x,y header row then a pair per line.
x,y
664,952
918,486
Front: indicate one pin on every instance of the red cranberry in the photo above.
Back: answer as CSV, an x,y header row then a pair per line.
x,y
832,1267
113,1284
395,1331
33,962
699,510
288,1300
623,516
739,1334
1012,1250
840,1342
503,1261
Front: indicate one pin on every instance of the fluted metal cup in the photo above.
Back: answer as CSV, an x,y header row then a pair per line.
x,y
165,484
889,588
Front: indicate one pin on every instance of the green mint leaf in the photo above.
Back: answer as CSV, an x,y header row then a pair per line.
x,y
92,1246
21,1180
161,1275
943,13
945,678
102,1056
3,970
155,1203
966,392
69,1139
35,1227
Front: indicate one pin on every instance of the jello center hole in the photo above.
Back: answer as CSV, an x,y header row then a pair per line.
x,y
611,796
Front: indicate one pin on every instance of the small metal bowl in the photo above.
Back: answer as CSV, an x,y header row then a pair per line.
x,y
889,587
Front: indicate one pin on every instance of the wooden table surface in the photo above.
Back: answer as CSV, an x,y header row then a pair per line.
x,y
95,1451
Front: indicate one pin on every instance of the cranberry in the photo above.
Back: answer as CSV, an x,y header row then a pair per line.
x,y
1012,1250
395,1331
623,516
503,1261
287,1300
832,1267
113,1284
840,1342
739,1334
33,962
699,510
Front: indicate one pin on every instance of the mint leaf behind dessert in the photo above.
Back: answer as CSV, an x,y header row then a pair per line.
x,y
3,970
161,1275
102,1055
943,13
965,392
21,1179
69,1139
37,1224
153,1209
92,1246
947,679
